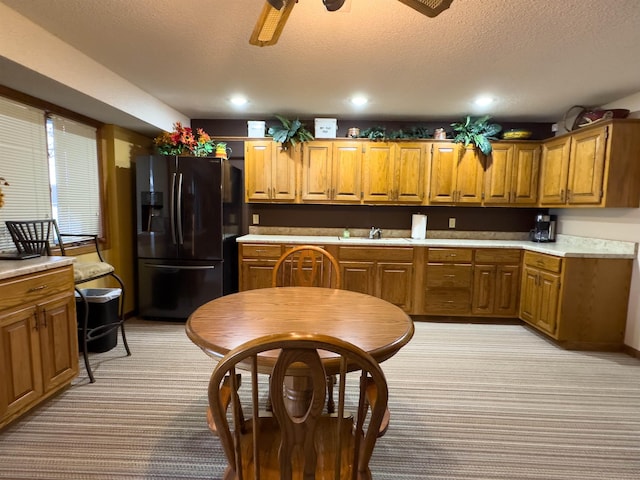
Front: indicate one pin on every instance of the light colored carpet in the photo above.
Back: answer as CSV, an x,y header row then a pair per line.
x,y
468,402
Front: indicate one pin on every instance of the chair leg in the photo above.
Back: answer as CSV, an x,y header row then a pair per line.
x,y
83,328
331,406
121,313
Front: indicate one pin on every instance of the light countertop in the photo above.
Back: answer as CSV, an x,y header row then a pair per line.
x,y
15,268
565,245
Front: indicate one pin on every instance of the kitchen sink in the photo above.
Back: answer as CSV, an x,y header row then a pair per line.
x,y
381,241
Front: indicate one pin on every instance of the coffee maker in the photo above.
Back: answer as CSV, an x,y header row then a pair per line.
x,y
544,229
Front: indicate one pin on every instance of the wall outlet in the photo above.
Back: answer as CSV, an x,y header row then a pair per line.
x,y
554,127
256,219
452,223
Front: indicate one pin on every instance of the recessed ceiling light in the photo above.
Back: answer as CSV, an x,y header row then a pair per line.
x,y
483,100
359,100
239,100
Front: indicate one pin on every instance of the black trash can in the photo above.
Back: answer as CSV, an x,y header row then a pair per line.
x,y
103,310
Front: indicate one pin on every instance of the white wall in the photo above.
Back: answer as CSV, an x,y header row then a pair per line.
x,y
612,224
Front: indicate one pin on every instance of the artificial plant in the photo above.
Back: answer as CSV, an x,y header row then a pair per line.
x,y
290,132
476,132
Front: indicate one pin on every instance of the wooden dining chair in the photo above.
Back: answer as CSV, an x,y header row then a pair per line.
x,y
306,266
38,236
302,442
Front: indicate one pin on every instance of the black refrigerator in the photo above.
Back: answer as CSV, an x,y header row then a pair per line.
x,y
188,219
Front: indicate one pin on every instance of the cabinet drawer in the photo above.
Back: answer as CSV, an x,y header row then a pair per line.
x,y
458,255
29,289
443,301
391,254
259,250
545,262
497,255
443,275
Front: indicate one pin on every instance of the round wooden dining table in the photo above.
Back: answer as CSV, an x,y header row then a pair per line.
x,y
375,325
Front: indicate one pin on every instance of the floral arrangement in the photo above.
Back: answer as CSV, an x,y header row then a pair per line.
x,y
183,141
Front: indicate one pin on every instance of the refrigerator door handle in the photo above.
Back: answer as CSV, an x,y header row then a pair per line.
x,y
181,267
179,207
172,210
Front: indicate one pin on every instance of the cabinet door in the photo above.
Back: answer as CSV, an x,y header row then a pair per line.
x,y
444,165
358,276
394,283
378,179
586,166
484,289
498,175
525,172
506,292
317,159
346,176
258,168
549,285
20,361
58,340
469,176
529,295
256,273
410,172
283,173
555,171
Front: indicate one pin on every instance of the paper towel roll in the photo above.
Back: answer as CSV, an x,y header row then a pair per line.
x,y
418,226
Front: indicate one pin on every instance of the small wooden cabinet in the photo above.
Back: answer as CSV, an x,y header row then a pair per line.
x,y
596,166
456,174
384,272
270,172
256,264
332,172
496,282
38,339
580,302
511,176
394,172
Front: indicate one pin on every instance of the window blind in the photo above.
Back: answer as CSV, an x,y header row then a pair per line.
x,y
23,163
75,189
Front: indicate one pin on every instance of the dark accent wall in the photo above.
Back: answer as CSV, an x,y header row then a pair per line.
x,y
393,217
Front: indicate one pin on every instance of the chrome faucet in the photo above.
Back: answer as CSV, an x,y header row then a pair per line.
x,y
375,233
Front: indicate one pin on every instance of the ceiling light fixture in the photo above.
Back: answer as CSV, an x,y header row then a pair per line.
x,y
239,100
483,101
359,100
430,8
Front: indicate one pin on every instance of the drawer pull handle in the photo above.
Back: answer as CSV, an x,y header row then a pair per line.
x,y
450,276
35,289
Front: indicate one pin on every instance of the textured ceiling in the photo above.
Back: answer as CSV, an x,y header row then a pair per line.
x,y
536,57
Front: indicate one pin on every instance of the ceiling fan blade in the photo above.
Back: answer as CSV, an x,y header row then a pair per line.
x,y
271,22
430,8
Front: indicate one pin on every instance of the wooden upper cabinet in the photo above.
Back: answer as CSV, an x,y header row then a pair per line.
x,y
595,166
410,167
456,174
554,171
332,172
270,172
586,166
394,172
379,177
511,175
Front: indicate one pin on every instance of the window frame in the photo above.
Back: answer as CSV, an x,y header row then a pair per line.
x,y
84,247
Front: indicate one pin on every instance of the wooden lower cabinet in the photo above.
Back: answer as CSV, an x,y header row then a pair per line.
x,y
256,264
448,280
580,302
496,282
384,272
38,339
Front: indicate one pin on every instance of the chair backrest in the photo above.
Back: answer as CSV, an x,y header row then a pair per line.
x,y
289,442
306,266
35,236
